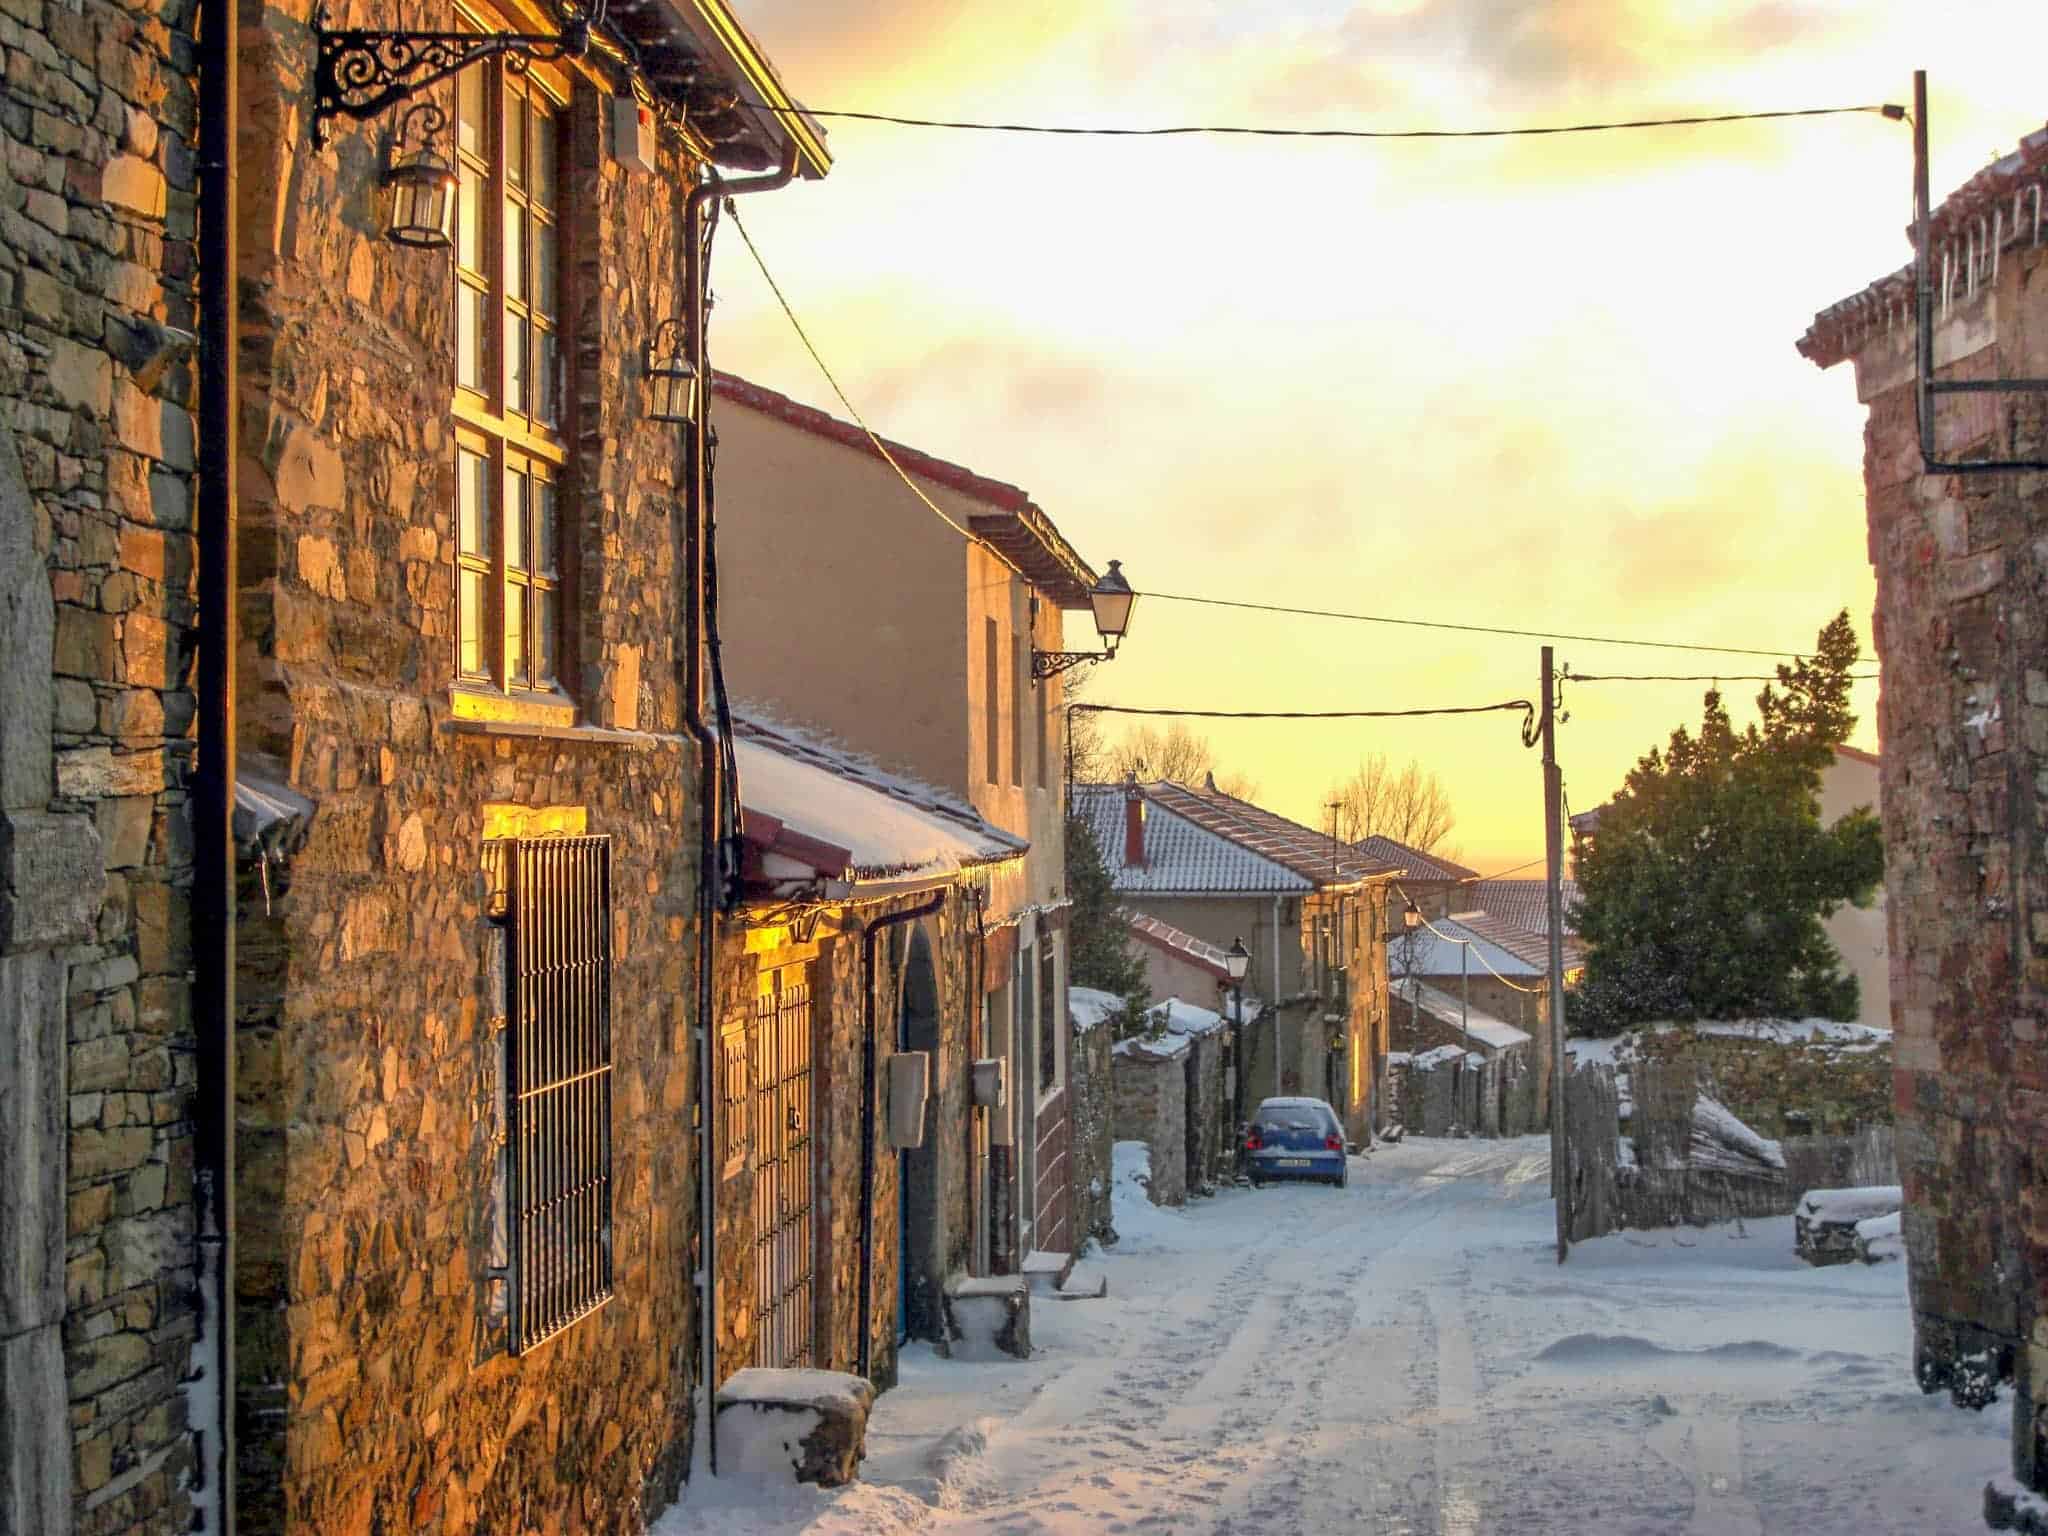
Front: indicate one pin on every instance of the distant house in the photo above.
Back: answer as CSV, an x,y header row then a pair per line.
x,y
1309,908
1434,884
855,940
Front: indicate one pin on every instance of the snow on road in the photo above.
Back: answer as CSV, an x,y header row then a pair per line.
x,y
1406,1357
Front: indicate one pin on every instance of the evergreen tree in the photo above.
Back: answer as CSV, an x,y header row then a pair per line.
x,y
1100,953
1705,885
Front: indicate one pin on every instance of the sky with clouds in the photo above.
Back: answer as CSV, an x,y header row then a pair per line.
x,y
1540,383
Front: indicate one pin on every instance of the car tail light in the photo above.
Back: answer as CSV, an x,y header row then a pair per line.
x,y
1333,1143
1252,1142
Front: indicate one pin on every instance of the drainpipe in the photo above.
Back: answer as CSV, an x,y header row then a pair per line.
x,y
213,872
711,873
1279,1086
868,935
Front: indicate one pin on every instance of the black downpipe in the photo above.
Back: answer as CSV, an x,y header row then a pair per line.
x,y
867,1115
213,872
711,872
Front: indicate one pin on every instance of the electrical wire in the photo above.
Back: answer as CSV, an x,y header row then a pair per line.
x,y
1473,629
1887,109
1468,943
1306,714
852,410
1589,677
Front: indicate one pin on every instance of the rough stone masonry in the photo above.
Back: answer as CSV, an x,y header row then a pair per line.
x,y
1962,629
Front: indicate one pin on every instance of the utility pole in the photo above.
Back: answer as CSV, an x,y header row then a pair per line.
x,y
1553,857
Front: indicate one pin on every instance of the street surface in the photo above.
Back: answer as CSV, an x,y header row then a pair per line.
x,y
1405,1357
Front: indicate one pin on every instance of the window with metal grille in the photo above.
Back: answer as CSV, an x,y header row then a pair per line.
x,y
558,1083
1048,1026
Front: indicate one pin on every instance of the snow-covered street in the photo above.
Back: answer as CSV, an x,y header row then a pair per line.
x,y
1405,1356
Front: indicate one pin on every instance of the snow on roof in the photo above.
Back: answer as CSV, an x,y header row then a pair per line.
x,y
852,820
1180,856
1316,856
1160,1047
1088,1006
1212,958
1184,1018
1442,1056
1479,1025
1436,954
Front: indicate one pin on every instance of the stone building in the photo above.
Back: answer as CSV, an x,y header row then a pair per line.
x,y
440,626
941,688
1312,911
1961,628
857,939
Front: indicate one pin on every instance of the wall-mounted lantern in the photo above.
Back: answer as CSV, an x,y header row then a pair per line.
x,y
671,376
1111,600
420,179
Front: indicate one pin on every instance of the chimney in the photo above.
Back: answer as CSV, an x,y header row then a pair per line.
x,y
1134,824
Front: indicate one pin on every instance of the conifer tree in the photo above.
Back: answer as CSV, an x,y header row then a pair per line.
x,y
1705,885
1100,953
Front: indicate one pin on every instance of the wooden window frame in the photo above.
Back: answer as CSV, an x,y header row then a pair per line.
x,y
519,448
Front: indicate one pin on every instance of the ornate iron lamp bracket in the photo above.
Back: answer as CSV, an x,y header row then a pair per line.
x,y
360,73
1046,664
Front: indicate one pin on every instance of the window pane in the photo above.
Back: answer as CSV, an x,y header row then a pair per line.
x,y
515,139
469,111
472,605
544,613
543,492
469,215
515,363
547,383
469,337
515,252
473,501
546,283
544,152
515,520
515,633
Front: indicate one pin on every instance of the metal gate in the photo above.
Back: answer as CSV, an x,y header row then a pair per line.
x,y
784,1256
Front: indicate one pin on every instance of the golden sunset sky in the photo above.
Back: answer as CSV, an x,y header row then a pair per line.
x,y
1544,383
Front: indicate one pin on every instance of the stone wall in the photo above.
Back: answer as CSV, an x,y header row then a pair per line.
x,y
97,180
1151,1106
1094,1134
1211,1132
1961,628
372,1387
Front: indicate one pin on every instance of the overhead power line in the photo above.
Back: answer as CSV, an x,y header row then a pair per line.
x,y
1306,714
1702,677
852,410
1470,629
940,513
1241,130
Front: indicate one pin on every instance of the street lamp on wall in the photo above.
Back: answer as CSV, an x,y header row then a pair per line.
x,y
671,376
1111,600
420,179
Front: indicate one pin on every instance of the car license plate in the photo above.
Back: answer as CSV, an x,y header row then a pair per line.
x,y
1292,1162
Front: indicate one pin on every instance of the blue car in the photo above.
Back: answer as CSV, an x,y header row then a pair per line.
x,y
1295,1139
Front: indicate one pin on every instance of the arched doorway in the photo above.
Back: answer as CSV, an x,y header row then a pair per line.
x,y
920,1312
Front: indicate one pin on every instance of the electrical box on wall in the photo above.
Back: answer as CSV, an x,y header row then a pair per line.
x,y
991,1082
633,133
909,1090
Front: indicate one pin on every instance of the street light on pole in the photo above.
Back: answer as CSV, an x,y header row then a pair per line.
x,y
1237,961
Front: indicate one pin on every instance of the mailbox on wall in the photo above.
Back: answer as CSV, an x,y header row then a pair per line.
x,y
990,1079
909,1090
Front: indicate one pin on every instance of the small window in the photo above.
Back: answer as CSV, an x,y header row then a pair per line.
x,y
992,698
558,1083
1048,1017
1020,671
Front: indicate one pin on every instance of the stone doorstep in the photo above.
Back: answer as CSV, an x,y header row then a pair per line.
x,y
1047,1272
988,1316
828,1452
1082,1283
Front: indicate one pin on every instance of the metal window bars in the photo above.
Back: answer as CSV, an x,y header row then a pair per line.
x,y
784,1251
559,1083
